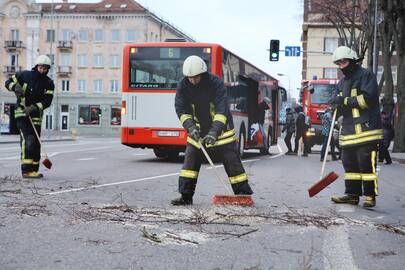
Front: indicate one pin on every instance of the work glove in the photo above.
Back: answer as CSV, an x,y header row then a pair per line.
x,y
337,101
210,138
194,133
30,110
19,92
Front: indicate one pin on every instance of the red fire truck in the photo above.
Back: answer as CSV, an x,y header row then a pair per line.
x,y
314,97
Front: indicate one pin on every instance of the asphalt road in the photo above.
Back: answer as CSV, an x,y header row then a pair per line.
x,y
106,206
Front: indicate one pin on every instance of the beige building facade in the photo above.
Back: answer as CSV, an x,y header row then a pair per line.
x,y
85,42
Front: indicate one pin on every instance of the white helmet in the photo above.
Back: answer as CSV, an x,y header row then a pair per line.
x,y
344,52
194,65
43,60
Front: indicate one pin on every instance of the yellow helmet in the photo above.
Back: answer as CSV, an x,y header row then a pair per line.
x,y
43,60
344,52
193,66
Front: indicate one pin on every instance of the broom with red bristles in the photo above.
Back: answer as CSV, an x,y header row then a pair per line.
x,y
46,162
244,200
332,176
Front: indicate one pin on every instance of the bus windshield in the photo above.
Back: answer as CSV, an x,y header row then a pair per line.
x,y
322,93
161,67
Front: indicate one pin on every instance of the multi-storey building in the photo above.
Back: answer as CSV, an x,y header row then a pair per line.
x,y
85,42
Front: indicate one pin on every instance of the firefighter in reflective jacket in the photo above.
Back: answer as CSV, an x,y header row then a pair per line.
x,y
203,110
357,100
34,92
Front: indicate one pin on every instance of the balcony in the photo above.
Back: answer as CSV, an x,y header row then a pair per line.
x,y
9,70
65,45
13,45
64,71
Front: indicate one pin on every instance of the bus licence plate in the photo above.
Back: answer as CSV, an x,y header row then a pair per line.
x,y
165,133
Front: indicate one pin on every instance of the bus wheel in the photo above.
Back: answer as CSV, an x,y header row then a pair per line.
x,y
160,153
241,143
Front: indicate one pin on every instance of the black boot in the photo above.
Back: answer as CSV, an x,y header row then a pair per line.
x,y
349,199
242,188
183,200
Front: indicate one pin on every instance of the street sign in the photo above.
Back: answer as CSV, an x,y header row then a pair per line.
x,y
292,50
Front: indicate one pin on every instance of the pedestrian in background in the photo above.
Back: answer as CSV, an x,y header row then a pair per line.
x,y
388,136
301,128
290,128
357,100
326,126
34,92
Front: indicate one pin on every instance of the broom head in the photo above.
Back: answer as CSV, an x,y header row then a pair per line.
x,y
244,200
47,163
323,183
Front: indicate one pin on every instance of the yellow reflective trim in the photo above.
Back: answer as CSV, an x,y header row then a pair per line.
x,y
353,92
212,110
10,86
361,140
24,87
220,117
193,142
14,78
223,141
189,174
355,113
40,106
363,134
362,102
368,176
227,134
27,161
35,163
357,128
238,178
373,165
345,100
48,92
185,117
352,176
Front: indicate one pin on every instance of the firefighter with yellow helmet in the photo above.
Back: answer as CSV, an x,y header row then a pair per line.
x,y
357,101
34,92
202,108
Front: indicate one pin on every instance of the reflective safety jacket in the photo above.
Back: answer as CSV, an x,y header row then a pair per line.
x,y
38,90
205,105
361,113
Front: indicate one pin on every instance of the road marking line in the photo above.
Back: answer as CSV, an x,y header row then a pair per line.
x,y
112,184
345,209
336,247
84,159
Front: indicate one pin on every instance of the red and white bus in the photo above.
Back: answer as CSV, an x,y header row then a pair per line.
x,y
151,72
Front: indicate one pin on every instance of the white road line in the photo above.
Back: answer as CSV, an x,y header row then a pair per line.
x,y
141,154
112,184
336,248
276,156
84,159
345,208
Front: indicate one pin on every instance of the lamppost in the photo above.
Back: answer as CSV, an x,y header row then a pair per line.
x,y
289,82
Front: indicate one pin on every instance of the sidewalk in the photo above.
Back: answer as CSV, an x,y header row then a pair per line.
x,y
46,136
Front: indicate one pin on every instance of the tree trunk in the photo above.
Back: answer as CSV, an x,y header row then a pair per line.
x,y
399,142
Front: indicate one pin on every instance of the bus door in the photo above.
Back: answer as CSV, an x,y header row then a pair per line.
x,y
253,112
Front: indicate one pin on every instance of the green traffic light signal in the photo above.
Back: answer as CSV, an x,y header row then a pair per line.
x,y
274,49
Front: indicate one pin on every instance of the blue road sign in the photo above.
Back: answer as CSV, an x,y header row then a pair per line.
x,y
292,50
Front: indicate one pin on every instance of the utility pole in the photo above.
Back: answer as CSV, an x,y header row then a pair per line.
x,y
53,75
375,53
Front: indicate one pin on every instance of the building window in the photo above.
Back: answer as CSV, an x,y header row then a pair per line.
x,y
131,35
65,59
66,36
114,61
115,116
65,86
114,86
89,114
98,35
330,44
97,86
15,35
81,86
83,36
115,35
50,35
330,73
82,60
98,60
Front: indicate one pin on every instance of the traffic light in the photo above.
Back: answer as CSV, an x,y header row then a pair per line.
x,y
274,49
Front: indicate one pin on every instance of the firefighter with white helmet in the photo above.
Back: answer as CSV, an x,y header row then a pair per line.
x,y
357,101
34,92
202,108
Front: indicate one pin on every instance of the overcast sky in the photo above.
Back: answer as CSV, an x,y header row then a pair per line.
x,y
242,26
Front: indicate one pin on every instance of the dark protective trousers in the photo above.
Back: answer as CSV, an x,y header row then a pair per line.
x,y
229,156
359,163
298,136
30,146
383,153
287,140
